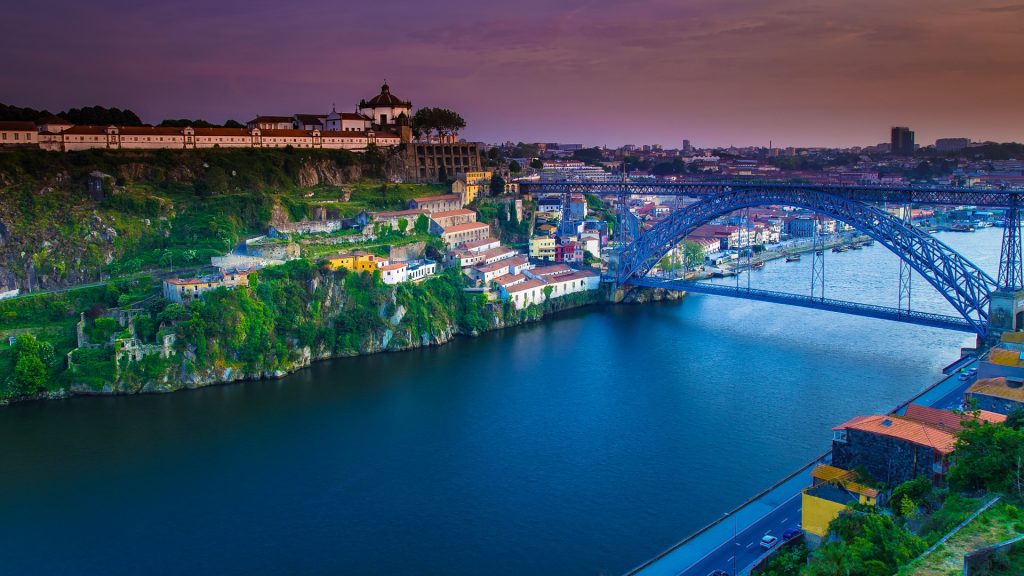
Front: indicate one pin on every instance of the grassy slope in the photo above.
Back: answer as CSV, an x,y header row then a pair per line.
x,y
995,525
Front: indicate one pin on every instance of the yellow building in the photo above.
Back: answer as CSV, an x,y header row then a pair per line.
x,y
356,261
472,185
542,248
831,491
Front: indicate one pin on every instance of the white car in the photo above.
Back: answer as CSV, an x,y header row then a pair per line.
x,y
769,542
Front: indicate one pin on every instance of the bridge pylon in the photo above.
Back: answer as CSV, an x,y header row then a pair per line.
x,y
1006,305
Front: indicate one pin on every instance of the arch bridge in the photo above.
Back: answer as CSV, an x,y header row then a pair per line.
x,y
986,306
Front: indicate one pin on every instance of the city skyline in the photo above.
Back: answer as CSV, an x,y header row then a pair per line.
x,y
598,73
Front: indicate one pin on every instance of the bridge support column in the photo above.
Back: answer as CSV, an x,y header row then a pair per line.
x,y
1011,269
1005,313
1006,305
905,269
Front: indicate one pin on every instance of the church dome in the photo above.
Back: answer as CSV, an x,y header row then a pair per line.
x,y
387,100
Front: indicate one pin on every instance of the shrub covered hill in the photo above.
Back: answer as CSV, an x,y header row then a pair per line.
x,y
113,224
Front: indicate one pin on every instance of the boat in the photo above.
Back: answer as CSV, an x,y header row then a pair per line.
x,y
840,249
856,246
792,258
960,227
757,265
869,242
820,252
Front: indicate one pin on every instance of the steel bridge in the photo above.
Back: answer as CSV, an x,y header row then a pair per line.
x,y
966,287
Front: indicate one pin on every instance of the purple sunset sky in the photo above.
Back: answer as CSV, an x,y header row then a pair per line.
x,y
716,72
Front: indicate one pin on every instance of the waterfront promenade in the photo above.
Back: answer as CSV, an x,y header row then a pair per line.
x,y
731,543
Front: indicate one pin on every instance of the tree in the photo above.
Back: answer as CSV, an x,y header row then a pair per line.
x,y
497,185
422,225
986,456
440,121
233,124
514,167
1015,419
102,116
589,155
30,374
402,225
693,254
537,164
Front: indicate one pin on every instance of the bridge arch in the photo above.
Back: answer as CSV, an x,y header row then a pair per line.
x,y
963,284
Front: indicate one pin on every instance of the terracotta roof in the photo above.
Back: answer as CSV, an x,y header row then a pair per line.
x,y
456,212
86,129
907,430
509,279
528,285
282,132
221,132
437,198
497,251
517,261
464,227
554,270
947,419
395,266
577,275
18,126
997,387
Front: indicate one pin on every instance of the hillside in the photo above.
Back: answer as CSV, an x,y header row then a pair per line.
x,y
165,209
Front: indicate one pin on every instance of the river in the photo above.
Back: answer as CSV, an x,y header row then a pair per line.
x,y
581,445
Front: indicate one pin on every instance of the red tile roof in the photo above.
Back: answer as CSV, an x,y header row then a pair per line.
x,y
528,285
939,440
947,419
464,227
17,126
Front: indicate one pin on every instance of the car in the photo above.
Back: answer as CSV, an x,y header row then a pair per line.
x,y
791,533
768,542
972,371
964,377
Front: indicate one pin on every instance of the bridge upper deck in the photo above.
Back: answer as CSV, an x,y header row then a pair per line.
x,y
1001,198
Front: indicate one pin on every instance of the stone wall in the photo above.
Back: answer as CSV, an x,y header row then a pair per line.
x,y
889,460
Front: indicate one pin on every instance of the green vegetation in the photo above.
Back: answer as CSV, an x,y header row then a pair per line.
x,y
989,457
869,544
786,562
995,525
439,121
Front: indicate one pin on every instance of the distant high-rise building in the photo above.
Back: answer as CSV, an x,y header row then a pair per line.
x,y
686,146
952,144
902,141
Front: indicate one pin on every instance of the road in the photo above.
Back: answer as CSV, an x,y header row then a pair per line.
x,y
736,554
745,548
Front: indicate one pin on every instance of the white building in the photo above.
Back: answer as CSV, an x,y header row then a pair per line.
x,y
386,109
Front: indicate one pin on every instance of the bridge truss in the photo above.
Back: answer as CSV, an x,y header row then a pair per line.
x,y
964,285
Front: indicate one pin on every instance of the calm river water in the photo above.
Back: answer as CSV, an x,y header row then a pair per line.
x,y
581,445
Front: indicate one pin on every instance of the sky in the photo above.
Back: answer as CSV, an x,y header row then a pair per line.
x,y
596,72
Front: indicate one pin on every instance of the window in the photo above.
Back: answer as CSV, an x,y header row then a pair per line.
x,y
839,436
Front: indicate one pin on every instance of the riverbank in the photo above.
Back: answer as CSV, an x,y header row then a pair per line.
x,y
287,319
